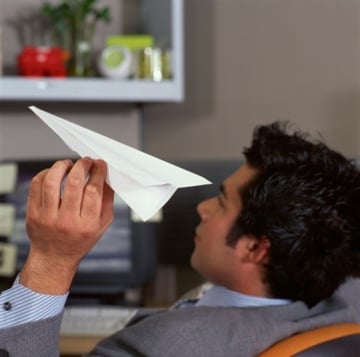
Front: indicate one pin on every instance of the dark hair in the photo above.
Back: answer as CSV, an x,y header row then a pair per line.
x,y
306,201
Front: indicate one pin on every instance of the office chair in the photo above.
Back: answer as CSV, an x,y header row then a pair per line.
x,y
338,340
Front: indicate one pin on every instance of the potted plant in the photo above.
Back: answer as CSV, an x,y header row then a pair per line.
x,y
74,23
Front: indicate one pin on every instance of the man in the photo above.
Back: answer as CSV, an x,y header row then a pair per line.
x,y
277,242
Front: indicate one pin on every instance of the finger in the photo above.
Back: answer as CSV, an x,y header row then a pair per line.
x,y
107,209
34,199
74,186
93,192
51,186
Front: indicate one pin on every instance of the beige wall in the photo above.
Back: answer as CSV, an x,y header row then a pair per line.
x,y
255,61
247,62
23,135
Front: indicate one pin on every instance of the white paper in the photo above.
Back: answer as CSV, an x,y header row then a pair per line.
x,y
143,181
8,177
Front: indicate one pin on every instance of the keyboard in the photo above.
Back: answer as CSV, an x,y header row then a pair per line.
x,y
94,320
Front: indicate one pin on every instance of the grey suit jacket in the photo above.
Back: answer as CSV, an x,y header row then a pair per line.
x,y
197,331
36,339
231,332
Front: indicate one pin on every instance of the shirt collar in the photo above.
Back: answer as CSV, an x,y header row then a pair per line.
x,y
220,296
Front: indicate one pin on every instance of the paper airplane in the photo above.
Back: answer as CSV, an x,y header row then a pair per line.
x,y
143,181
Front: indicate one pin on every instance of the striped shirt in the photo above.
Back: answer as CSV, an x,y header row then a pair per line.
x,y
215,295
220,296
19,305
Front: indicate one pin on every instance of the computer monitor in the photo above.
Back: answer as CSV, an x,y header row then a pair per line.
x,y
125,257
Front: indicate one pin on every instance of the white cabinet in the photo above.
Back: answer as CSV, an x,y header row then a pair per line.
x,y
161,18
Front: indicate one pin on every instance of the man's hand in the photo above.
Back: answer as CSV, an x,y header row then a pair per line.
x,y
64,224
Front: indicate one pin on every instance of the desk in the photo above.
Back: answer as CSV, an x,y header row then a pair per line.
x,y
77,345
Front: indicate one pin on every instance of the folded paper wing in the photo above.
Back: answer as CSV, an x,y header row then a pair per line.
x,y
143,181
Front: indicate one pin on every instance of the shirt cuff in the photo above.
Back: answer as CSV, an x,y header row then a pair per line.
x,y
20,305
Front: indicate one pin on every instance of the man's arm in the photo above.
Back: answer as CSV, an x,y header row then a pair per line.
x,y
63,225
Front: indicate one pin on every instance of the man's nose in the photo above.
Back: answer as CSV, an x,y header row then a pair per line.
x,y
203,208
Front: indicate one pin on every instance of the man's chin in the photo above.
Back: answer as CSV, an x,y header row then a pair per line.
x,y
193,260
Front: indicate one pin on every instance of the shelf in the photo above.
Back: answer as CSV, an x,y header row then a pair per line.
x,y
94,89
161,18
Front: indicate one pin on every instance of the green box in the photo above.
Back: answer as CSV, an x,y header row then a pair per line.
x,y
133,42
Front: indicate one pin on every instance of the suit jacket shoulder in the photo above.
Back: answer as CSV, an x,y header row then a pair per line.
x,y
220,331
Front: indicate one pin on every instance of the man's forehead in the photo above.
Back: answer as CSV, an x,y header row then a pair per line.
x,y
240,178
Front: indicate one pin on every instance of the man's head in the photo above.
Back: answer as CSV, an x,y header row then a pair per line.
x,y
298,210
217,261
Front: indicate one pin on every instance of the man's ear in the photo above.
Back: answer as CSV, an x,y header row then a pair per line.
x,y
257,249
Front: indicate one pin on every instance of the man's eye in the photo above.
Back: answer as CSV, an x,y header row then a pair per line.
x,y
220,200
